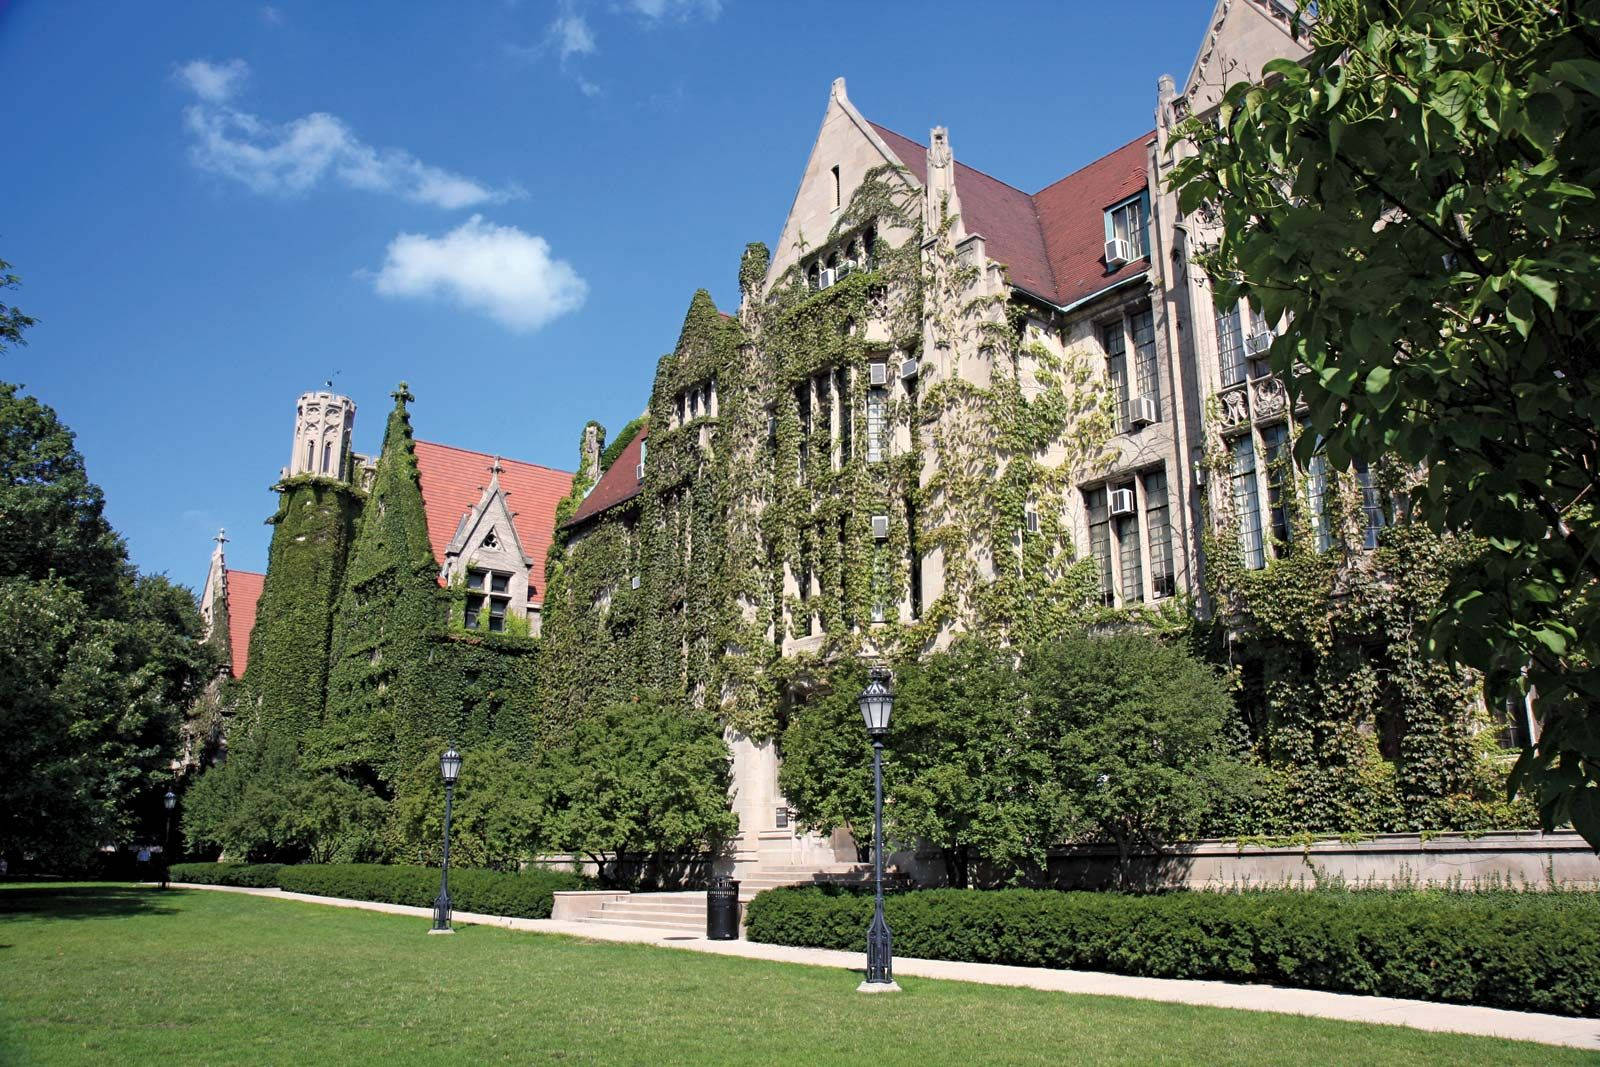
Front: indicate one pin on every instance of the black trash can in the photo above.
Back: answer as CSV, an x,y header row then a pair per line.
x,y
722,910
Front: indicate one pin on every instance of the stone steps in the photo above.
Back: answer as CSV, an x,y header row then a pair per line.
x,y
686,912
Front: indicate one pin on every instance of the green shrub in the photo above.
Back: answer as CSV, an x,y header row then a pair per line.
x,y
254,875
527,895
1526,951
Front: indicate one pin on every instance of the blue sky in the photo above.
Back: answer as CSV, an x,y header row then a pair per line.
x,y
217,206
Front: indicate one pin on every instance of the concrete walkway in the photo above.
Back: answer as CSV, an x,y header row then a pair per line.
x,y
1417,1014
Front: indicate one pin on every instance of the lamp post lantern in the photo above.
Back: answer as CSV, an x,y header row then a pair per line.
x,y
449,770
169,802
877,703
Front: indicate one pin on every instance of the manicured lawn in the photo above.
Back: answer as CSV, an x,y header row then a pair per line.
x,y
116,975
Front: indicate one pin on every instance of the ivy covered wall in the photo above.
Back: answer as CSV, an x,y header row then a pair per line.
x,y
285,683
360,666
1350,724
740,506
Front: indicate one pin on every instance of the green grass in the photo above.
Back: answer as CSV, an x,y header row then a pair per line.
x,y
116,975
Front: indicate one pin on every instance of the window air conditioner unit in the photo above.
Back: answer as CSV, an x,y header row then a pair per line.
x,y
909,368
1122,501
1258,343
639,472
1142,411
636,581
1199,474
878,373
880,526
1118,252
826,278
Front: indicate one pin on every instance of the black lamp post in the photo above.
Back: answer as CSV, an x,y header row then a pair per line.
x,y
877,702
450,770
169,802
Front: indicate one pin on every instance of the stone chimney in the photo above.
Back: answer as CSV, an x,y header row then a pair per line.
x,y
594,442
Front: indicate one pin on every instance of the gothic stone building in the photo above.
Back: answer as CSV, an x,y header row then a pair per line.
x,y
944,404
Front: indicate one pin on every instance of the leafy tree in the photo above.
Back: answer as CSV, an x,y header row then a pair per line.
x,y
1132,727
12,320
96,663
51,519
90,708
643,780
501,811
826,774
1416,201
261,806
972,779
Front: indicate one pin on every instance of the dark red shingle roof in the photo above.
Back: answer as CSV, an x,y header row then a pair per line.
x,y
1053,242
619,484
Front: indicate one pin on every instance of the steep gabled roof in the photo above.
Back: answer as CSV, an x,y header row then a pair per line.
x,y
1002,214
244,591
1072,215
453,481
619,484
1053,242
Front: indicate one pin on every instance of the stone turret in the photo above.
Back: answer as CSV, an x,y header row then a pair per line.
x,y
323,424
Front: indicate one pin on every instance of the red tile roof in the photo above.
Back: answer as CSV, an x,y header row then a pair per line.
x,y
244,591
619,483
1053,242
453,480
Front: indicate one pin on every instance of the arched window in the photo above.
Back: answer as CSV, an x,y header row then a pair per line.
x,y
327,455
311,456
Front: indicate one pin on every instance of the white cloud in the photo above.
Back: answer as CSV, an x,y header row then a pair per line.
x,y
683,9
272,16
572,35
213,82
499,270
293,157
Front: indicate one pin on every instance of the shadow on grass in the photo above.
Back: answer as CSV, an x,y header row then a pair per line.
x,y
82,902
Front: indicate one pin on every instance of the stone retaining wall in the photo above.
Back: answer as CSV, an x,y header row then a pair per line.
x,y
1514,858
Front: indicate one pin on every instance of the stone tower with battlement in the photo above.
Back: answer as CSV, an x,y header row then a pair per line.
x,y
323,424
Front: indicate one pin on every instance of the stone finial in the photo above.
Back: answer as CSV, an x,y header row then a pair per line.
x,y
837,92
1165,86
222,536
495,468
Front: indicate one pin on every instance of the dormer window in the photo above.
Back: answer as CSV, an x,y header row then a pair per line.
x,y
488,598
1126,225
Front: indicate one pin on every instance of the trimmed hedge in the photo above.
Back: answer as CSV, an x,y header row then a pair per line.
x,y
527,895
254,875
1527,951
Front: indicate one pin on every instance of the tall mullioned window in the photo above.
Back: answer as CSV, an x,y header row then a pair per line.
x,y
1247,502
877,411
1158,528
1100,539
1128,556
802,400
1230,346
1372,505
1116,344
1146,376
1276,441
